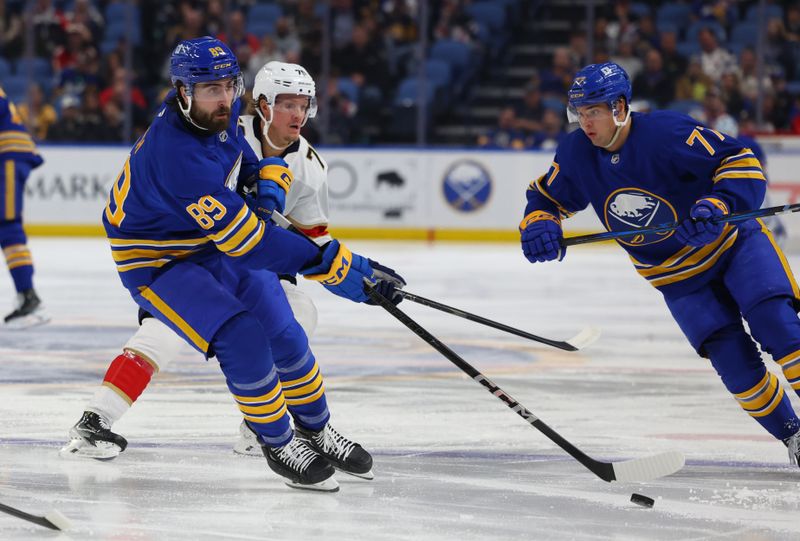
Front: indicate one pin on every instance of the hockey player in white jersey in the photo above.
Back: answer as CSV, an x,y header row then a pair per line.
x,y
285,98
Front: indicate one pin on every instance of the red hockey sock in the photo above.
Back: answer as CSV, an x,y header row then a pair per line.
x,y
129,374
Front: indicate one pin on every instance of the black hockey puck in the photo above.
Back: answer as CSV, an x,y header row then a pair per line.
x,y
644,501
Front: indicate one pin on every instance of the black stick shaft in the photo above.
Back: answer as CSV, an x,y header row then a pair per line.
x,y
603,470
488,322
737,217
41,521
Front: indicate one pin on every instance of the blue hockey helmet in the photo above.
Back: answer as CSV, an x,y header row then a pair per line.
x,y
598,83
202,60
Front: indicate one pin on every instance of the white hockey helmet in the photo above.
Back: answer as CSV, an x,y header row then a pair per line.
x,y
276,78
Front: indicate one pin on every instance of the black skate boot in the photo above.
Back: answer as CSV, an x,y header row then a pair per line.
x,y
301,466
28,313
793,444
345,455
91,437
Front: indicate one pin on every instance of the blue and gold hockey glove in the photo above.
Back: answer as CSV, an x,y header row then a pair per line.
x,y
341,272
541,234
697,230
388,282
274,180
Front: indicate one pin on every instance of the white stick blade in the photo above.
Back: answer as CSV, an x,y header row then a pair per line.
x,y
644,469
587,336
58,520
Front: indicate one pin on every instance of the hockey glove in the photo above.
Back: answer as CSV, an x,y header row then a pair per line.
x,y
341,272
388,282
541,236
274,180
697,230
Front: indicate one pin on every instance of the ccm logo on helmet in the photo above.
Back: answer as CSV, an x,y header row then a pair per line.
x,y
223,66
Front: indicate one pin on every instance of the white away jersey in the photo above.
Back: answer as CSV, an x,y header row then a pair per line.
x,y
307,200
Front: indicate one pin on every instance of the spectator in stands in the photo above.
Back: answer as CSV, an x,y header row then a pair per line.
x,y
69,127
116,94
310,34
780,51
78,39
287,41
85,72
792,17
715,114
238,35
363,60
505,134
731,94
652,83
713,58
626,57
266,53
84,13
215,16
693,84
36,113
342,125
191,25
648,37
529,114
675,63
456,24
749,76
49,24
558,78
579,48
12,30
778,103
343,19
94,126
552,131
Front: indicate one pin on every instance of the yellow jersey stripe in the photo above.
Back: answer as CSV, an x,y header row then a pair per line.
x,y
175,318
700,254
785,264
268,418
304,389
247,228
239,218
11,190
251,242
265,409
175,243
125,255
688,273
269,397
311,374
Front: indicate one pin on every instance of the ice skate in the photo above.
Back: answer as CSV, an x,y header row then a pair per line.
x,y
28,313
91,437
793,444
248,443
301,466
344,454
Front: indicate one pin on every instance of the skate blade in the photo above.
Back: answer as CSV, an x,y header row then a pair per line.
x,y
26,322
79,448
369,476
328,485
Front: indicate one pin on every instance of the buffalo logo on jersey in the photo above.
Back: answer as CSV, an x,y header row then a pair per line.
x,y
631,208
467,186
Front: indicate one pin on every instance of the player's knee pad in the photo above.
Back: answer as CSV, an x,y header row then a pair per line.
x,y
775,326
155,342
242,349
735,357
303,308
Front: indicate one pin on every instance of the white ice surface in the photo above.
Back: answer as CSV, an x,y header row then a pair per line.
x,y
451,461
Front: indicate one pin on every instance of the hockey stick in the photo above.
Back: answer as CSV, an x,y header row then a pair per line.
x,y
579,341
53,520
637,470
736,217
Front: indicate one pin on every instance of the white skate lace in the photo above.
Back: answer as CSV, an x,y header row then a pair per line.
x,y
334,443
296,454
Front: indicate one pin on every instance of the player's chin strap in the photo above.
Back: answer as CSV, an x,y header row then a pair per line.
x,y
186,114
618,124
266,123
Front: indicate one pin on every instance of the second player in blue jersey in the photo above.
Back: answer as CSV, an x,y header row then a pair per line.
x,y
637,170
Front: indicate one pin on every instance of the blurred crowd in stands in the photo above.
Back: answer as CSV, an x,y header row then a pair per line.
x,y
67,69
696,57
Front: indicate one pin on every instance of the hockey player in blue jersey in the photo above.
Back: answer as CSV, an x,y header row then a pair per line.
x,y
18,156
185,245
642,169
